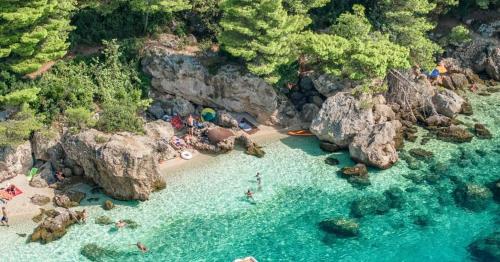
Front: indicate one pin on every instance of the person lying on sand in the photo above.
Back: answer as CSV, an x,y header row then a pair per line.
x,y
142,247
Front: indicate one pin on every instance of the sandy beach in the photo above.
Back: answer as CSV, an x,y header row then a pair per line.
x,y
21,210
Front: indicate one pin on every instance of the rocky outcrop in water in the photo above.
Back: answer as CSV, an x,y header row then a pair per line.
x,y
341,118
482,55
191,76
448,103
472,196
15,160
342,227
375,146
123,164
55,224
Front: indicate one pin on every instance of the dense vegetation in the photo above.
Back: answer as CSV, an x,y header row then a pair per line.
x,y
356,39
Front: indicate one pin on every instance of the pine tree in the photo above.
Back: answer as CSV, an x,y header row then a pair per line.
x,y
154,6
33,32
261,33
408,25
303,6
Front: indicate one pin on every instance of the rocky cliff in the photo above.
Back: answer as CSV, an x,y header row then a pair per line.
x,y
123,164
189,75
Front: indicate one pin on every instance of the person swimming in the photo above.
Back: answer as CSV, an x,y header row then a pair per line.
x,y
249,195
142,247
259,180
120,223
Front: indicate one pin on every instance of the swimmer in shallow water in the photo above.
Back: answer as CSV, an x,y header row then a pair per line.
x,y
142,247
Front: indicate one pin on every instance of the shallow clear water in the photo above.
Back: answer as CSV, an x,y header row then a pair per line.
x,y
203,215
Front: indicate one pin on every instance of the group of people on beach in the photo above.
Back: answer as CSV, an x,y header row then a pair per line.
x,y
249,192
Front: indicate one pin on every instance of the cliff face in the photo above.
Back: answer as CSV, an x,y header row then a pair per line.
x,y
185,74
15,160
124,165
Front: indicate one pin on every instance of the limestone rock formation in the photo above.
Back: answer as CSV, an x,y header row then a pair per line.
x,y
55,224
47,146
40,200
329,85
472,196
340,119
125,166
482,55
448,103
15,160
375,146
189,76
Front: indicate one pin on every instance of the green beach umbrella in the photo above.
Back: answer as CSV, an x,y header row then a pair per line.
x,y
208,114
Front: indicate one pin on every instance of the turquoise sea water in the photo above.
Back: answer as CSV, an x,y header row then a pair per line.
x,y
203,215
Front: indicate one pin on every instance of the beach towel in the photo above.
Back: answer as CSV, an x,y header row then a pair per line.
x,y
176,122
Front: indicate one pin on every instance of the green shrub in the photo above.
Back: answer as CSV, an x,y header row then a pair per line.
x,y
79,117
20,97
19,128
117,117
459,35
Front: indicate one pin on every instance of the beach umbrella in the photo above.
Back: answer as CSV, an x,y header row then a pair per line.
x,y
208,114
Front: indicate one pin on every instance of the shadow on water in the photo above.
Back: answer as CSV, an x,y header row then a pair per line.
x,y
310,145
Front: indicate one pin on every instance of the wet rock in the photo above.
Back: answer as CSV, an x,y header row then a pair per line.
x,y
454,134
357,170
422,219
68,199
448,103
460,81
309,112
487,249
332,161
414,177
482,132
55,225
104,220
495,189
340,119
421,154
93,252
472,196
395,197
369,205
342,227
15,160
375,146
40,200
108,205
466,109
329,147
438,120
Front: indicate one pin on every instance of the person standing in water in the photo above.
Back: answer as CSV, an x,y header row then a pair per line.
x,y
259,180
142,247
249,195
5,219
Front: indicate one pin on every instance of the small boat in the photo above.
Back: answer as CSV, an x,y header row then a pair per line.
x,y
300,133
246,259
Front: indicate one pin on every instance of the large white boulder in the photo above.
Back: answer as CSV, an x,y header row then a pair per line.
x,y
342,117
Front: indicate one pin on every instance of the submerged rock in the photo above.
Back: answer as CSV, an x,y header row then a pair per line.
x,y
329,147
369,205
487,249
472,196
342,227
395,197
454,134
332,161
482,132
104,220
421,154
108,205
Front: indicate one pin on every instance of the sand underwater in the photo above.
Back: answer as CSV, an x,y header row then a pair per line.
x,y
203,215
